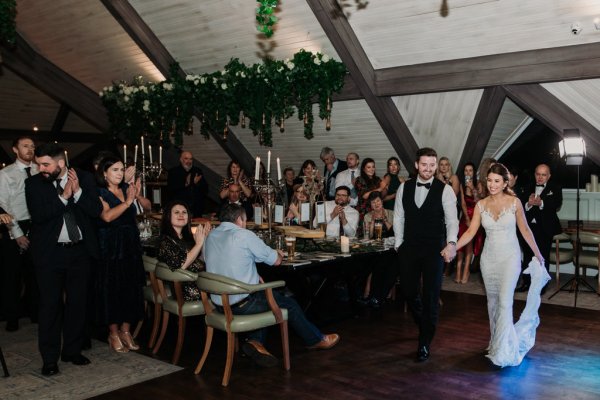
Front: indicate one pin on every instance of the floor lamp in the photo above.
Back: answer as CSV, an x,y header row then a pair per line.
x,y
572,149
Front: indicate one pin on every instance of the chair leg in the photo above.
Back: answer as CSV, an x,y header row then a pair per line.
x,y
209,336
155,325
285,345
138,327
3,362
162,332
180,337
229,362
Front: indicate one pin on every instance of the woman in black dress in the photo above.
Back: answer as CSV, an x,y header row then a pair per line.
x,y
179,247
120,278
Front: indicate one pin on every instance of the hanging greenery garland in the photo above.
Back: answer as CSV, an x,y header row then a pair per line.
x,y
259,95
265,16
8,15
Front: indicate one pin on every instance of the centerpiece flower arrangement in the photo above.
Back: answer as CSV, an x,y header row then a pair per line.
x,y
259,95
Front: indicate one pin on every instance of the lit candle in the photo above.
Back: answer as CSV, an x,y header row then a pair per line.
x,y
150,153
143,150
160,155
345,244
269,162
278,170
257,169
125,154
66,159
135,154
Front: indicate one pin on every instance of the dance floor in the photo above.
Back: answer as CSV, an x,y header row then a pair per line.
x,y
375,360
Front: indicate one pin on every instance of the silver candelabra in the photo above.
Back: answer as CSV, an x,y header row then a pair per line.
x,y
268,192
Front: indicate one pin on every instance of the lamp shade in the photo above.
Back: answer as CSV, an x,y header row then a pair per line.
x,y
572,150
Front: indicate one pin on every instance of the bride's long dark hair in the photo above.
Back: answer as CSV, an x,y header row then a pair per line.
x,y
500,169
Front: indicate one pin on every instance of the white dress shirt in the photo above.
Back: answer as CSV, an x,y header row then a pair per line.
x,y
344,178
333,224
12,193
421,192
538,192
64,235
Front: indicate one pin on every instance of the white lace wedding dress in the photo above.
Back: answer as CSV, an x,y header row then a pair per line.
x,y
500,268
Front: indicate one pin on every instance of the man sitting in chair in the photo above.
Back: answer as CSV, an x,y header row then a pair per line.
x,y
233,251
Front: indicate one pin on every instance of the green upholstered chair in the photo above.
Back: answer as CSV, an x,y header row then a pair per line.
x,y
561,255
590,252
173,303
230,323
151,296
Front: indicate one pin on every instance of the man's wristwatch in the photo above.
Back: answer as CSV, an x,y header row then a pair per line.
x,y
452,243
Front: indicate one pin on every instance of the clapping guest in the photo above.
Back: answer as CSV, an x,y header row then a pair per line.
x,y
235,174
446,175
179,247
365,184
299,197
341,219
391,182
120,277
234,195
469,196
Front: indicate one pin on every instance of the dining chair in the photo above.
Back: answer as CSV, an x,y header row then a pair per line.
x,y
173,303
151,296
561,255
226,321
589,257
3,362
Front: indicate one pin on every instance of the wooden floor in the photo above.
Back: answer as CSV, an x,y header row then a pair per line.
x,y
375,360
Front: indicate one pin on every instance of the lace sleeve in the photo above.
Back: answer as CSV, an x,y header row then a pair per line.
x,y
171,253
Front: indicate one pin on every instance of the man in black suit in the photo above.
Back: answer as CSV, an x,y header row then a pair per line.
x,y
425,228
541,207
63,204
186,182
333,166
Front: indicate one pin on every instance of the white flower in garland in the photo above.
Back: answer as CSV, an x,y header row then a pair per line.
x,y
290,65
215,81
146,106
242,74
203,80
126,99
317,61
224,86
325,58
101,94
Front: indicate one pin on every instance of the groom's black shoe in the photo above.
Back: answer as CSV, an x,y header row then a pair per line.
x,y
423,353
523,288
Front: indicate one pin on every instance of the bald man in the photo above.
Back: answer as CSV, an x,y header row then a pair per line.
x,y
186,183
541,208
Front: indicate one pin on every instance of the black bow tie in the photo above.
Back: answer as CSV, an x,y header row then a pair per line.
x,y
427,185
540,185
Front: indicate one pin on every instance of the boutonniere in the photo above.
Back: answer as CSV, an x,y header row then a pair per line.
x,y
550,193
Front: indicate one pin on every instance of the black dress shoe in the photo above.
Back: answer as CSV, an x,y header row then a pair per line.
x,y
523,288
12,325
423,353
375,304
50,369
77,359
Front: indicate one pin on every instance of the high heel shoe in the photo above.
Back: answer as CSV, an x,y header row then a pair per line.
x,y
128,341
115,344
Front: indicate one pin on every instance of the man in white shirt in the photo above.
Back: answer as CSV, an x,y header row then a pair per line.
x,y
348,176
339,216
17,268
425,226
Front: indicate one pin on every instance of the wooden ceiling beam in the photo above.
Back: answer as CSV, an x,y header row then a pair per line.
x,y
531,66
49,136
59,121
482,127
145,38
54,82
344,40
556,115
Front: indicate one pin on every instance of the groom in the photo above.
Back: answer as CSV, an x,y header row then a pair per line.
x,y
425,225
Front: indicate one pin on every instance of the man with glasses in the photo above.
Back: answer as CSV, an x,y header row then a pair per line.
x,y
341,219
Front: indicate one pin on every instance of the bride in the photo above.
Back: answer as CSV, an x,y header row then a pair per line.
x,y
500,268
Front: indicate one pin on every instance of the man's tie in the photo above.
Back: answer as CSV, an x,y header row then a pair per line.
x,y
427,185
353,190
69,216
28,171
342,233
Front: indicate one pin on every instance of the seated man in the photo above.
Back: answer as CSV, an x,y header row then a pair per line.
x,y
233,251
339,216
233,197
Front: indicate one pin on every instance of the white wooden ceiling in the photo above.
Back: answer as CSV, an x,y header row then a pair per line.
x,y
83,39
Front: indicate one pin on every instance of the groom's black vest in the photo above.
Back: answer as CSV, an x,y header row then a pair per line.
x,y
425,225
